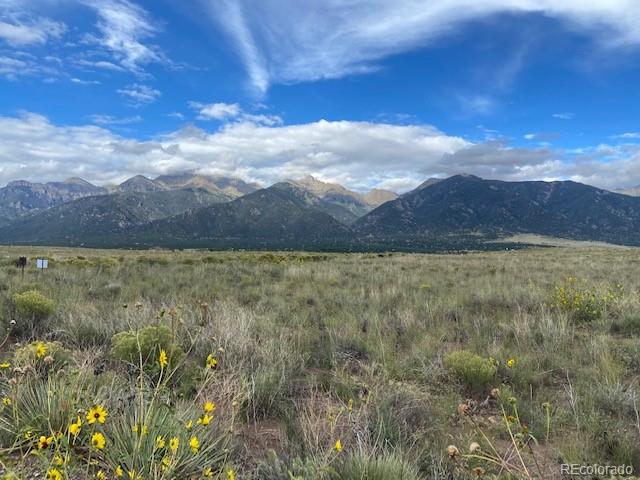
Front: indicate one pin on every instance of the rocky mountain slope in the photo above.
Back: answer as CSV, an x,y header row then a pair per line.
x,y
468,204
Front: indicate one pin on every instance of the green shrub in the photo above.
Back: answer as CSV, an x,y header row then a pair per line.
x,y
474,371
33,305
388,466
132,346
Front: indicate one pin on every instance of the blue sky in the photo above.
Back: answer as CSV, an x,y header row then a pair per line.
x,y
368,93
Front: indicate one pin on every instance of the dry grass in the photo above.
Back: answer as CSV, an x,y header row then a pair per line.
x,y
321,347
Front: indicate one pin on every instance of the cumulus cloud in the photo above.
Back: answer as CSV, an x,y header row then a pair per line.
x,y
360,155
138,94
284,41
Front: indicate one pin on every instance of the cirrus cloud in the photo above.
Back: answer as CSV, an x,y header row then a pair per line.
x,y
286,41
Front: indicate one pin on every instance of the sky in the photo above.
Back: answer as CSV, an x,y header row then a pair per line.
x,y
366,93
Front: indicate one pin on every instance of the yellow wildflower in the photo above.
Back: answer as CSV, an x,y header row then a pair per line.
x,y
98,441
119,472
174,443
511,362
209,407
211,361
205,420
160,443
231,474
41,349
44,442
100,475
207,472
58,460
96,414
4,365
53,474
338,446
6,401
162,359
194,444
74,428
166,461
189,425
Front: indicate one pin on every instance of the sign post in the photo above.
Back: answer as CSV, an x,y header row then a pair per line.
x,y
42,263
22,263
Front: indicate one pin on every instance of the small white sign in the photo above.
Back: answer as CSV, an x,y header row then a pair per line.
x,y
42,263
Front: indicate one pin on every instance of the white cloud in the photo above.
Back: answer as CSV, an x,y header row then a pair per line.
x,y
124,28
564,115
100,119
14,67
31,32
99,64
232,111
216,111
284,41
360,155
79,81
476,104
138,94
627,136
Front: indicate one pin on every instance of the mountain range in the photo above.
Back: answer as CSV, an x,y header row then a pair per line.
x,y
190,210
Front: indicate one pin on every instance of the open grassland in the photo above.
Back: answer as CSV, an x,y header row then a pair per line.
x,y
319,366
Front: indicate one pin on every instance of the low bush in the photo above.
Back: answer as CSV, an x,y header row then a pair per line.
x,y
32,308
33,305
144,345
474,371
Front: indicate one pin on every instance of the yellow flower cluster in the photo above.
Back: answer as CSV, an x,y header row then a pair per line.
x,y
585,303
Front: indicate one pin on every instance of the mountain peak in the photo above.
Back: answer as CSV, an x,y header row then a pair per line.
x,y
140,183
78,181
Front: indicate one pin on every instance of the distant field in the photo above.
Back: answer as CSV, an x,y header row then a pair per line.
x,y
541,240
319,366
